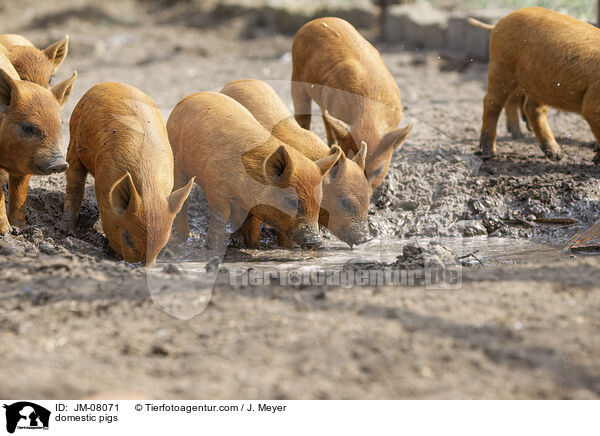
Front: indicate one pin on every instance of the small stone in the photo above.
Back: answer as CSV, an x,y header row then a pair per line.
x,y
5,250
159,350
213,265
172,269
46,249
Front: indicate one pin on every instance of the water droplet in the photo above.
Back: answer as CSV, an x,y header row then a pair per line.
x,y
558,84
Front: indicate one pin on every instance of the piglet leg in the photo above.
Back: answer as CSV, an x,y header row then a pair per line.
x,y
216,238
76,175
17,197
302,102
513,122
283,240
181,224
500,87
4,224
591,113
251,232
537,116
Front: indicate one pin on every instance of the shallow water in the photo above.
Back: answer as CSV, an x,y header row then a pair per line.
x,y
482,251
490,251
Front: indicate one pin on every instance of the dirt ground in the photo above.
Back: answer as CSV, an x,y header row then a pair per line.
x,y
75,321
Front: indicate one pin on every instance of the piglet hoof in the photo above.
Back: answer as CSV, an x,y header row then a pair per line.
x,y
284,241
597,158
554,155
180,237
517,135
4,227
552,150
67,224
485,155
18,222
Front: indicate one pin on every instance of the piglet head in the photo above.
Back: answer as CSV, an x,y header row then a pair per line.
x,y
138,226
345,206
291,191
38,66
30,126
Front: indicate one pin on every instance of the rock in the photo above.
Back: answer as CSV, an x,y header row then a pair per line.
x,y
444,253
5,250
172,269
492,224
212,266
158,350
46,249
468,228
432,256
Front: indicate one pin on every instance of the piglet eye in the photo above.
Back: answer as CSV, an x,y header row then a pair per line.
x,y
290,202
27,129
346,204
375,172
127,239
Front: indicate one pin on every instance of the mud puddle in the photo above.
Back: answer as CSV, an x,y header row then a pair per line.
x,y
491,251
483,251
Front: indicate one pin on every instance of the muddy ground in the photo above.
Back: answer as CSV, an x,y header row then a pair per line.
x,y
74,321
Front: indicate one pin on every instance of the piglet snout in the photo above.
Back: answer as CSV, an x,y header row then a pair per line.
x,y
307,237
57,166
52,165
358,239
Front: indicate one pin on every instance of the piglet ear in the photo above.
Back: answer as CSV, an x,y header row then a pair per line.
x,y
361,157
329,161
8,90
177,198
63,89
279,167
269,169
58,51
395,138
123,196
341,130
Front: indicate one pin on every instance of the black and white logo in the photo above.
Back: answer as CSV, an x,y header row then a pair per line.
x,y
24,415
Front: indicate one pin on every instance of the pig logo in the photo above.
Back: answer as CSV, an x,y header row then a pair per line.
x,y
26,415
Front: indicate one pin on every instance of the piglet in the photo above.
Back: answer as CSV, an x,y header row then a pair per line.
x,y
245,171
345,205
33,64
30,137
118,135
334,65
550,58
